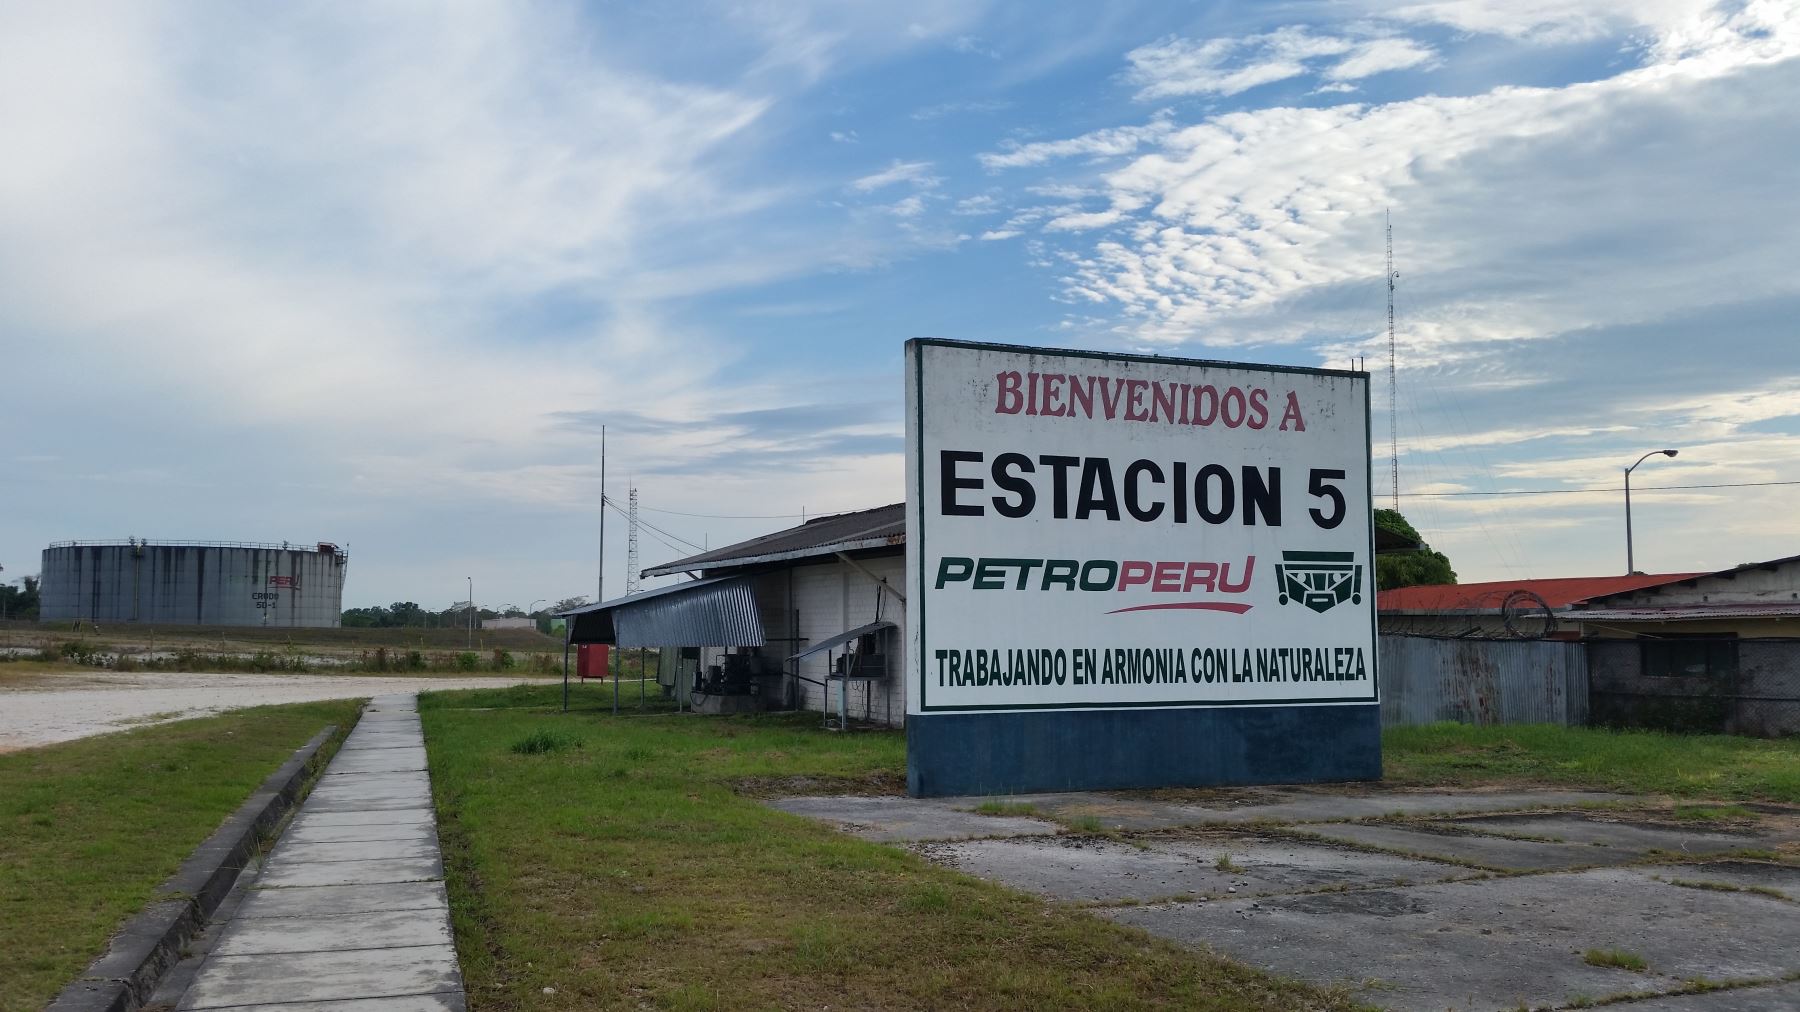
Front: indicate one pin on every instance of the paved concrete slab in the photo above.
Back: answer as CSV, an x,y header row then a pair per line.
x,y
337,901
323,976
371,929
369,792
326,833
332,901
329,873
417,816
1136,810
1767,998
349,912
1094,870
1782,878
302,852
1598,829
451,1001
1497,853
383,760
1495,943
905,820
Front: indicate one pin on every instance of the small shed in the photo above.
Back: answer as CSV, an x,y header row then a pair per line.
x,y
768,623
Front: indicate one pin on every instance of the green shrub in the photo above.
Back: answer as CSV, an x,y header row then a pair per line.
x,y
503,659
467,661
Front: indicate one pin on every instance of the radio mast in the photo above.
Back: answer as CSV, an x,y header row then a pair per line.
x,y
633,583
1393,359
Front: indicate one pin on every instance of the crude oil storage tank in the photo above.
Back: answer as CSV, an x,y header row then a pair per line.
x,y
193,583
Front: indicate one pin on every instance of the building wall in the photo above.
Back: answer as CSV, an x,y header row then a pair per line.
x,y
193,585
1759,694
829,598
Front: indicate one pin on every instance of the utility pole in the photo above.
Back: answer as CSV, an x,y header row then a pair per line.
x,y
1393,370
471,613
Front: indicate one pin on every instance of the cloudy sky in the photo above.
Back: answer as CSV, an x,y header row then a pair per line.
x,y
377,273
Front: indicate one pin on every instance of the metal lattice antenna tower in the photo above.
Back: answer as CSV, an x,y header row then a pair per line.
x,y
1393,361
633,583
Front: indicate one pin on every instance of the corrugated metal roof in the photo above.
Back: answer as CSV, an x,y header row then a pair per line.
x,y
1688,613
1733,571
845,532
1557,593
702,613
844,637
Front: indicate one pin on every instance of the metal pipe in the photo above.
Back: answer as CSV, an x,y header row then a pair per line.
x,y
880,581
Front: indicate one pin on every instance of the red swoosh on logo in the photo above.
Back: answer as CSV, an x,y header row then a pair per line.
x,y
1235,609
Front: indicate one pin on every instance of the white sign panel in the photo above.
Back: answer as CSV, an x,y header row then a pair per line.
x,y
1089,531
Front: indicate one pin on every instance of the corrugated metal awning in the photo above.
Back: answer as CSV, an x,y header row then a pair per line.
x,y
1686,613
703,613
844,637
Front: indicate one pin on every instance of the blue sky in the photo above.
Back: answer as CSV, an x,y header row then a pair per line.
x,y
376,273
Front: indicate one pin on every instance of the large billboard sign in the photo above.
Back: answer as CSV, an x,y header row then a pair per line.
x,y
1092,532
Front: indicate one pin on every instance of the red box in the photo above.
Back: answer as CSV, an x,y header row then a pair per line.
x,y
590,660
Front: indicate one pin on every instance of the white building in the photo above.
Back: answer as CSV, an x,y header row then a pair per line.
x,y
812,617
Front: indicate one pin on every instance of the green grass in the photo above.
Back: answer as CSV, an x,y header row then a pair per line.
x,y
90,828
1006,808
1645,762
1616,958
632,873
1712,813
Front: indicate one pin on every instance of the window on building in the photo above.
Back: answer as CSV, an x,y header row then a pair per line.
x,y
1690,656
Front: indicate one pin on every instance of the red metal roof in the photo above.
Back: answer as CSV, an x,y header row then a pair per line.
x,y
1557,593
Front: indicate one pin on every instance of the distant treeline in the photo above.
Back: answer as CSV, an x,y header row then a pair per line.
x,y
409,615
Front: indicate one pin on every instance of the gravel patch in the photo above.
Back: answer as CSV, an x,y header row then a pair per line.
x,y
104,702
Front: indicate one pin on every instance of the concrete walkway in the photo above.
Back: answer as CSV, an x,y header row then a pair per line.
x,y
349,911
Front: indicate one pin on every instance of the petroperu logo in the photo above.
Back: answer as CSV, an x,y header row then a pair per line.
x,y
1319,580
1097,576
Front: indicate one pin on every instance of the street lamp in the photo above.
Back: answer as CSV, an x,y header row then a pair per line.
x,y
1630,563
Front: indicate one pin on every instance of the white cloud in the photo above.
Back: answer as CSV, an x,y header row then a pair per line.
x,y
1179,67
1379,56
1553,20
899,172
995,235
972,106
1109,143
1247,209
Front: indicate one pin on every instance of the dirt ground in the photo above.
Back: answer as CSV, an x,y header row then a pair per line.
x,y
68,706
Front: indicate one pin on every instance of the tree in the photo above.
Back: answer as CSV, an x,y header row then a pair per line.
x,y
1409,569
19,603
567,604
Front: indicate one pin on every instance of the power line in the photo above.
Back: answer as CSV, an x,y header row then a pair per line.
x,y
748,516
1621,488
646,525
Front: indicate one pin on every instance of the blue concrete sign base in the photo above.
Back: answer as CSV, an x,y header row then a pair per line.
x,y
1067,750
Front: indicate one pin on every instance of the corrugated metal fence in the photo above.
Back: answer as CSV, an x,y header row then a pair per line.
x,y
1425,679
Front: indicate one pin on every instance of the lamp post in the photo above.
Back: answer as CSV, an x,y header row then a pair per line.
x,y
1630,561
471,613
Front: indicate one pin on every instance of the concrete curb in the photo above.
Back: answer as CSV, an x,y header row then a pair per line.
x,y
124,977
